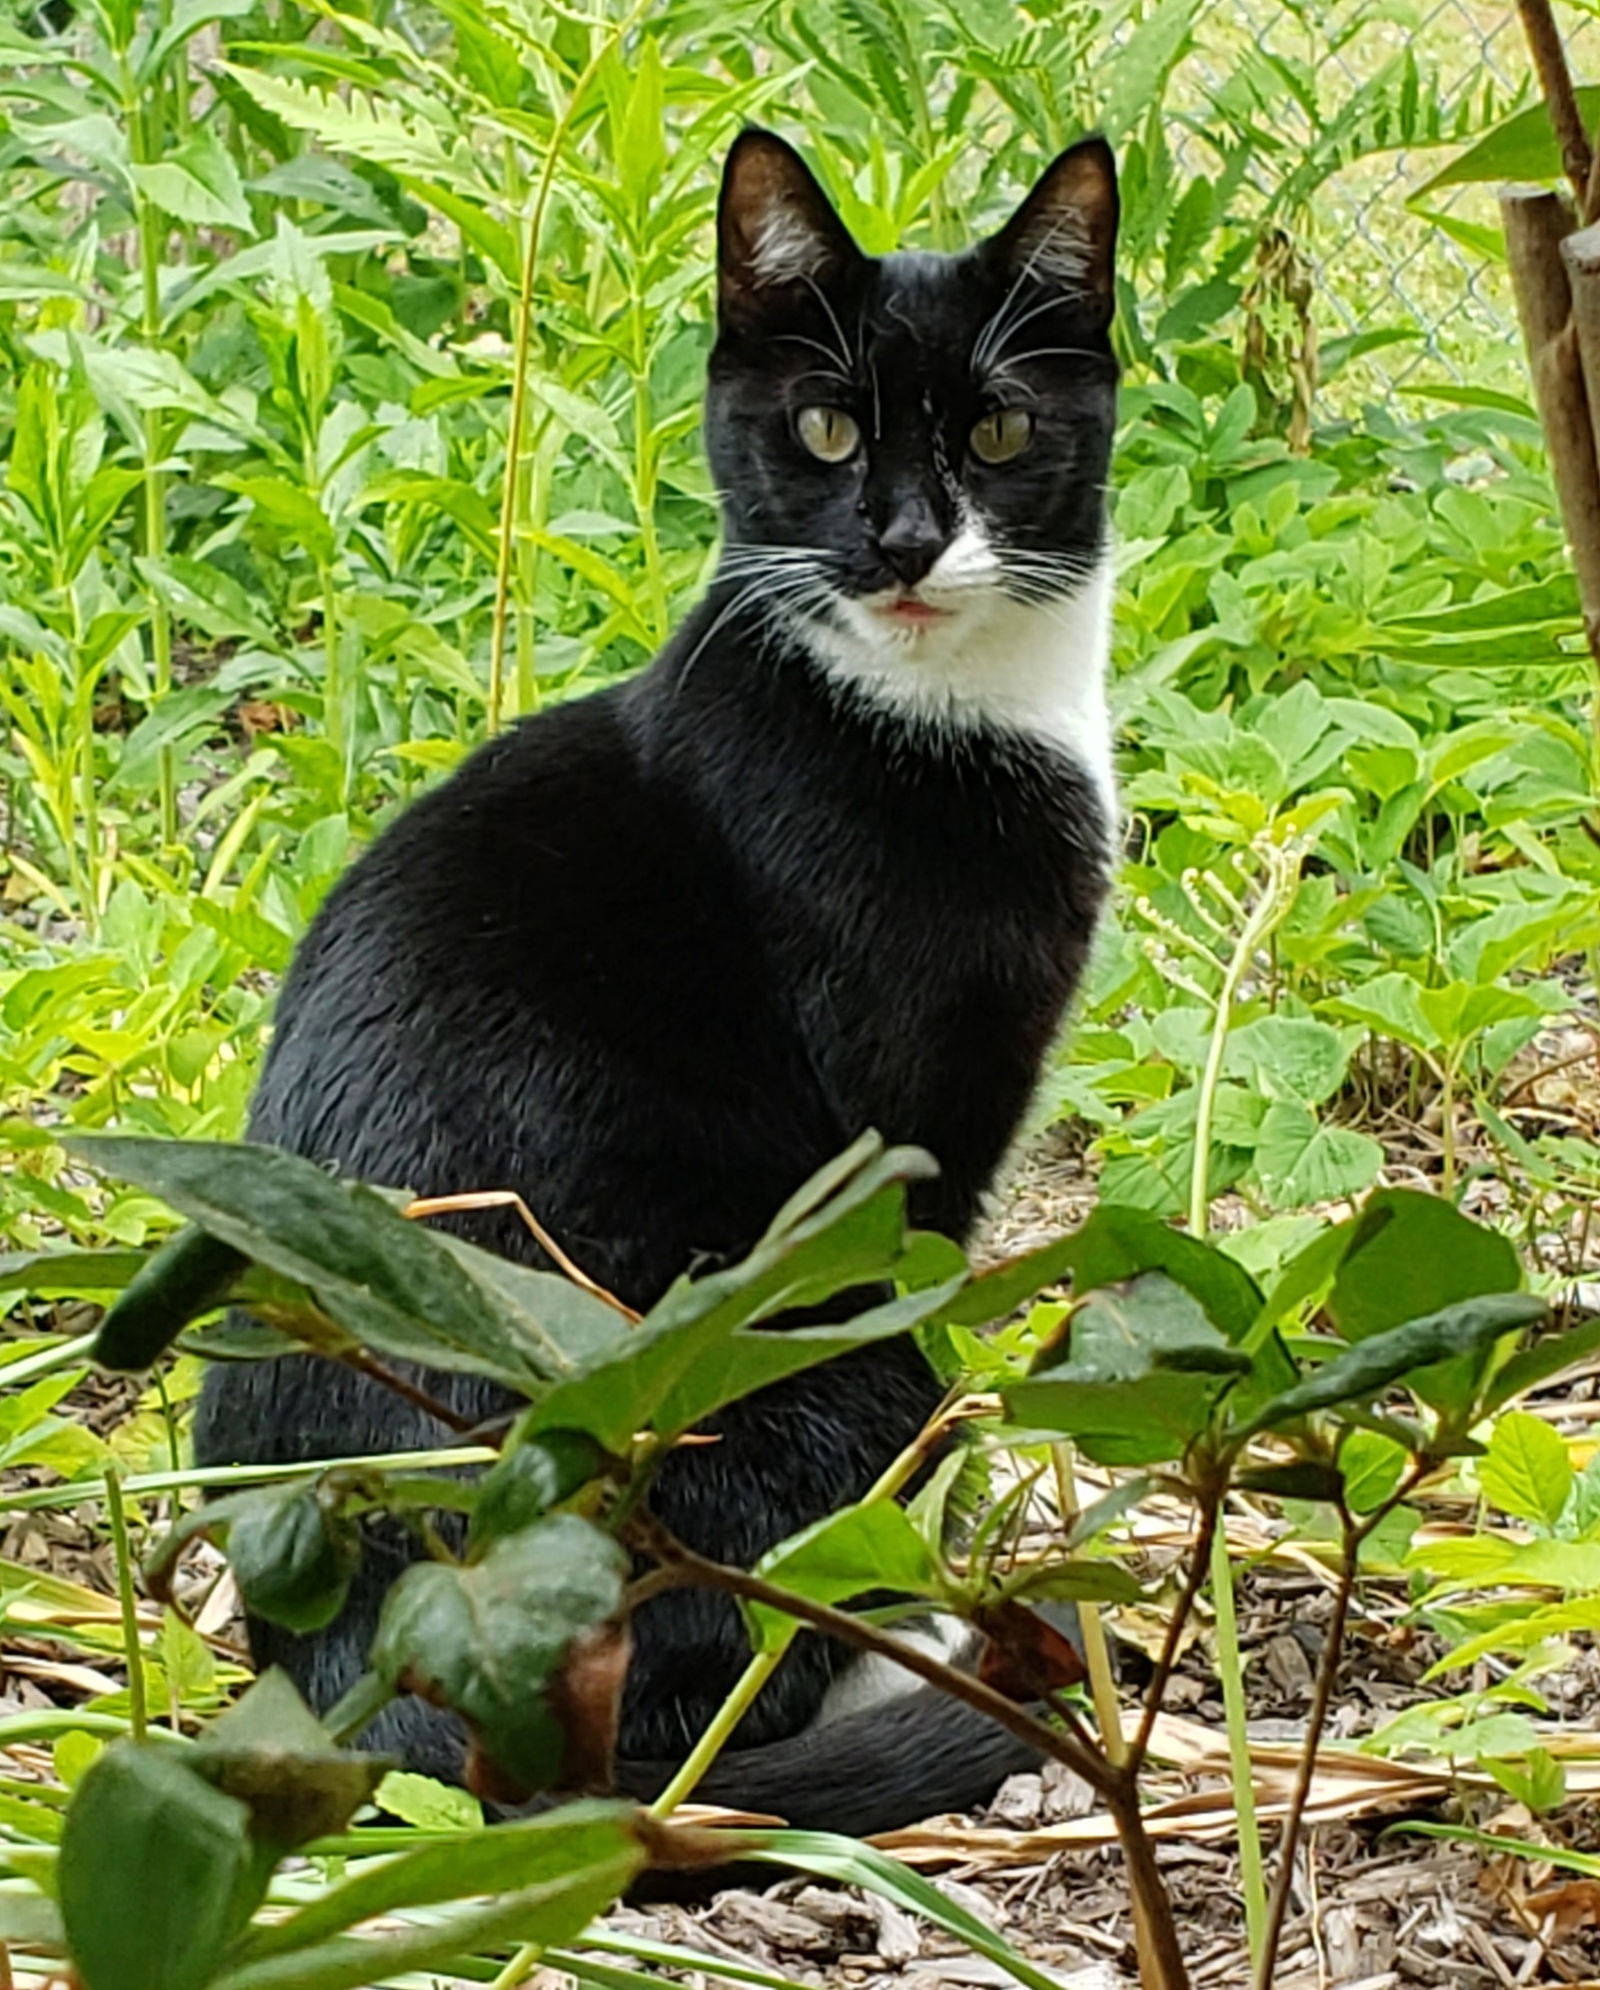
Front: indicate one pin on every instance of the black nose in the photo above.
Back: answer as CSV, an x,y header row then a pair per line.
x,y
911,542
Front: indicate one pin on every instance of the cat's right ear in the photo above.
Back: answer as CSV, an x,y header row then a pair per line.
x,y
777,232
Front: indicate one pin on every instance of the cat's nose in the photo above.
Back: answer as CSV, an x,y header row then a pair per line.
x,y
911,542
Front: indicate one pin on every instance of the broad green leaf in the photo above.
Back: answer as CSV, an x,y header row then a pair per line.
x,y
1292,1058
158,1872
552,1910
430,1806
1301,1160
272,1753
1526,1470
1374,1365
1523,148
498,1639
844,1555
1546,1357
1389,1005
690,1354
197,182
294,1556
391,1283
534,1473
69,1274
1138,1377
1410,1254
514,1856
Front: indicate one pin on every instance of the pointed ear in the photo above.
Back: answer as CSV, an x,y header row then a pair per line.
x,y
776,230
1065,232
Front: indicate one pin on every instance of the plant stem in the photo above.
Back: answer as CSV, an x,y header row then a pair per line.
x,y
717,1732
1276,897
144,143
1096,1656
512,491
644,1531
1199,1560
1230,1665
1555,80
764,1663
333,691
138,1714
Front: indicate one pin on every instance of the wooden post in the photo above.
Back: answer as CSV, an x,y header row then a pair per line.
x,y
1537,224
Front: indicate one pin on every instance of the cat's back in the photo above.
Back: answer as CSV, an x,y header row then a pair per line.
x,y
534,952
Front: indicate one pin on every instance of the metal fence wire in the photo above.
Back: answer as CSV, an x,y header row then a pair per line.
x,y
1379,262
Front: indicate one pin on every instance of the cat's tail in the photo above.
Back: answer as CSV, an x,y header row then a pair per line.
x,y
890,1764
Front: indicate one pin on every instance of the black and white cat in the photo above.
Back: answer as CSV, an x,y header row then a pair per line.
x,y
832,862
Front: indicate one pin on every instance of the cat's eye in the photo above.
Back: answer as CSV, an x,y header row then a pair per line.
x,y
1001,435
830,434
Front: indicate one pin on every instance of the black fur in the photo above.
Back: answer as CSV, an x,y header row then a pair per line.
x,y
652,957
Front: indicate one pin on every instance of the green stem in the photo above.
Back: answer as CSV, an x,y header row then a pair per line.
x,y
1230,1665
717,1732
142,120
513,488
333,689
1276,897
1096,1654
138,1714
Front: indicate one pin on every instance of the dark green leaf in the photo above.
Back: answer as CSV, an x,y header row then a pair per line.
x,y
190,1275
1366,1370
272,1753
533,1474
1135,1377
500,1640
158,1872
294,1556
845,1555
391,1283
1411,1254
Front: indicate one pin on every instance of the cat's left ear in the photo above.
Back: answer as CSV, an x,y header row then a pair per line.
x,y
777,233
1065,232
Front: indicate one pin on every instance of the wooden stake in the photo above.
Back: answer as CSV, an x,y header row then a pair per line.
x,y
1536,224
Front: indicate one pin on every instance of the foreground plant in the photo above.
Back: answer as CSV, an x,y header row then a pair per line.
x,y
1170,1364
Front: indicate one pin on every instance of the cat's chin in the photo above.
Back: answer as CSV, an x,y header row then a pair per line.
x,y
983,661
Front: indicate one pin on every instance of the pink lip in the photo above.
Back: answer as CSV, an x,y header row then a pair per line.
x,y
917,614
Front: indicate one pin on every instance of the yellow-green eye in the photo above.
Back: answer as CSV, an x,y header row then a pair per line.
x,y
1002,435
829,433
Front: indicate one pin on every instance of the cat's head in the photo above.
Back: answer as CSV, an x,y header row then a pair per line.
x,y
908,445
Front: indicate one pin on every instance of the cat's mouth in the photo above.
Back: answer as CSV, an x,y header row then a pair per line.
x,y
909,611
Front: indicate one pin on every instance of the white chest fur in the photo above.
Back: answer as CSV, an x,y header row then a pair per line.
x,y
1036,668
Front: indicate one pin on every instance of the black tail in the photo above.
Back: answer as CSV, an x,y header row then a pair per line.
x,y
890,1764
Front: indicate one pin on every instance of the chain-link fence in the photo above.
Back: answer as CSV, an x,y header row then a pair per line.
x,y
1384,259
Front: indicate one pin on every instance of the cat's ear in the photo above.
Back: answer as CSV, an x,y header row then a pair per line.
x,y
1065,232
777,232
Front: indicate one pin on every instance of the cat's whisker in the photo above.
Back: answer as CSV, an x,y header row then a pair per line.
x,y
1045,352
843,352
993,350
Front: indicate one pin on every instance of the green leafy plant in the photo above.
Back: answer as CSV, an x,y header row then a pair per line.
x,y
1171,1362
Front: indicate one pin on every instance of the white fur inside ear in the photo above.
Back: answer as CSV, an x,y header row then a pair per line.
x,y
785,249
1035,669
1057,249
